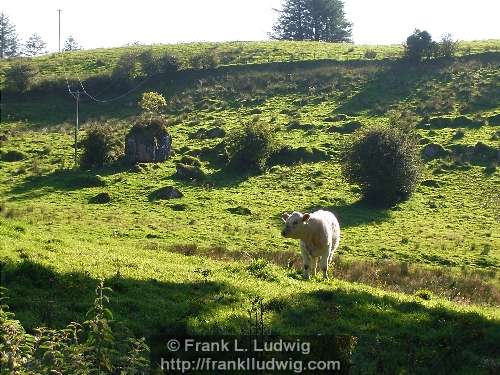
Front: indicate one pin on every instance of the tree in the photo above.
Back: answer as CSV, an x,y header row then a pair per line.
x,y
319,20
34,46
71,44
419,45
448,46
9,43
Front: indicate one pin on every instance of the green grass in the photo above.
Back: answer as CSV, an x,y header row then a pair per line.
x,y
154,253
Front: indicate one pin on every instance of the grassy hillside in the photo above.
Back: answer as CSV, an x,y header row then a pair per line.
x,y
194,264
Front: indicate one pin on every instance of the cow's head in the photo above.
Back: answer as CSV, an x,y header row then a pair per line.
x,y
294,224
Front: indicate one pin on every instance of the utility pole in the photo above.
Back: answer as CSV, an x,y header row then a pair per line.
x,y
59,11
77,98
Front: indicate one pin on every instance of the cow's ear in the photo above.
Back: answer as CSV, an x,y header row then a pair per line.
x,y
306,217
285,216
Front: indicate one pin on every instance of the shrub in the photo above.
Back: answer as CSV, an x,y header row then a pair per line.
x,y
370,54
419,45
384,162
21,75
205,60
149,63
100,147
448,46
251,146
168,64
99,345
152,102
126,69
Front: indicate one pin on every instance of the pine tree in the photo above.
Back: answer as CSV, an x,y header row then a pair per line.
x,y
319,20
9,43
34,46
71,44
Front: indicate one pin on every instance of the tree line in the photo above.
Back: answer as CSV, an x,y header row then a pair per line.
x,y
12,46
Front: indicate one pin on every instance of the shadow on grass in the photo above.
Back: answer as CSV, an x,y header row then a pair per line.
x,y
393,334
63,180
399,80
355,214
394,337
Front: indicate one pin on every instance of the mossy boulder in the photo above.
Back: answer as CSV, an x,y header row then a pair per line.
x,y
288,155
189,172
12,155
211,133
168,192
148,142
335,118
433,151
441,122
346,128
101,198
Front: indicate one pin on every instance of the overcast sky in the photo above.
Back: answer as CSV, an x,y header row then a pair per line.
x,y
115,23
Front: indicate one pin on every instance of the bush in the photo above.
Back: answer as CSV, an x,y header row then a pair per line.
x,y
126,69
100,147
168,64
448,46
152,102
21,75
419,45
384,162
251,146
205,60
370,54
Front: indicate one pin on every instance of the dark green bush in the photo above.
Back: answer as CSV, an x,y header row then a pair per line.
x,y
384,162
168,64
21,75
250,146
100,147
204,60
419,45
127,69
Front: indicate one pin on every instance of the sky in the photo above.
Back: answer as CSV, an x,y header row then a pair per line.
x,y
112,23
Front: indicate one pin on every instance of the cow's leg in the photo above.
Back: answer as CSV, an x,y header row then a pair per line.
x,y
306,257
314,265
324,265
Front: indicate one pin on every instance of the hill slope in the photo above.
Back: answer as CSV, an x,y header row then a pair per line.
x,y
445,238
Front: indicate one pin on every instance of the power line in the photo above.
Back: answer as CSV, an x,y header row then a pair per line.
x,y
115,98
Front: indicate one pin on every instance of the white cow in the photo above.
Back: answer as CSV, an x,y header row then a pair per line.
x,y
319,235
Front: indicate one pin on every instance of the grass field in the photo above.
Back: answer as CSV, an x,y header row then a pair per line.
x,y
425,271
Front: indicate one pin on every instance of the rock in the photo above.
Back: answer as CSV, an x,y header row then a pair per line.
x,y
346,128
168,192
441,122
431,183
483,152
434,150
149,143
12,155
101,198
335,118
212,133
240,210
189,172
